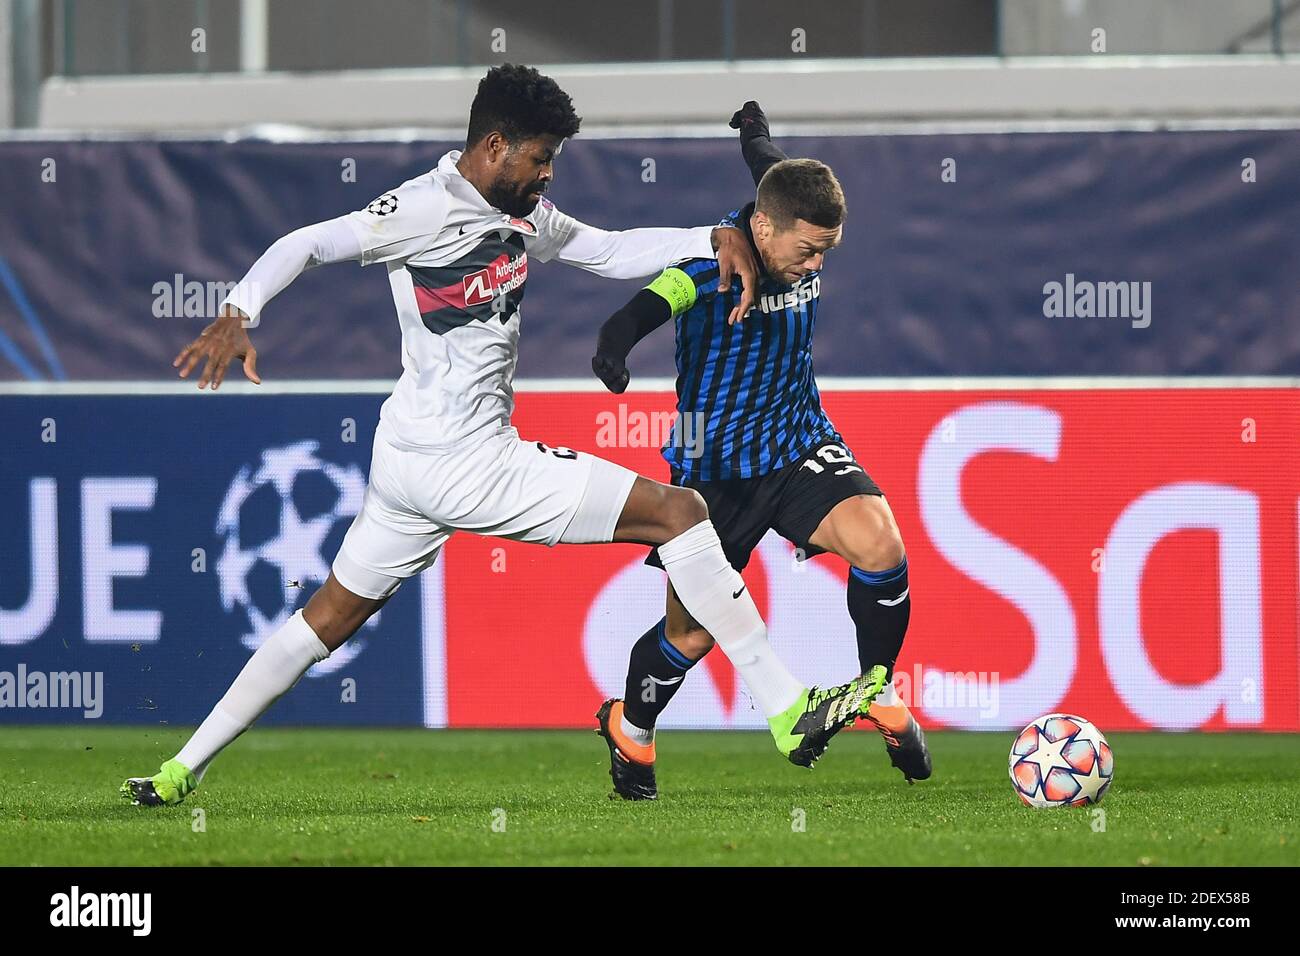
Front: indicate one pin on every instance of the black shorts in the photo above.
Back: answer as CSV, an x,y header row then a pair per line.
x,y
792,500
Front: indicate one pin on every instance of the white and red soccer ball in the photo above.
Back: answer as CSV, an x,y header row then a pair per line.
x,y
1061,760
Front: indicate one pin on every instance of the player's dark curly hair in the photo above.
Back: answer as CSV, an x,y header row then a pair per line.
x,y
801,189
520,103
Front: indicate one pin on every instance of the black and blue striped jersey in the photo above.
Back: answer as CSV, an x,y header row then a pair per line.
x,y
747,400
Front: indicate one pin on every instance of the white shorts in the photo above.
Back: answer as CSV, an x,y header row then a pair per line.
x,y
505,487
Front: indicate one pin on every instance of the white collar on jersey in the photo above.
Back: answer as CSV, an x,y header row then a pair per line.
x,y
466,189
469,193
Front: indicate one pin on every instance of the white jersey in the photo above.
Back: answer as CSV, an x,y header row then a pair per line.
x,y
458,269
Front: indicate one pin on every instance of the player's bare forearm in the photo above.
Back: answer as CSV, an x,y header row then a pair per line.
x,y
220,343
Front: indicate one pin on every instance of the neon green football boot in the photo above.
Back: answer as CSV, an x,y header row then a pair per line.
x,y
804,731
170,785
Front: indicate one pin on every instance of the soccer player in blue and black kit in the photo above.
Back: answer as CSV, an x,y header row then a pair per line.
x,y
770,457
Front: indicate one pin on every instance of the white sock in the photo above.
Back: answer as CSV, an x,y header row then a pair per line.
x,y
638,734
217,730
889,696
269,673
707,586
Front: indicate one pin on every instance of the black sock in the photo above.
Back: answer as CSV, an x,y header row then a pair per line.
x,y
881,627
654,672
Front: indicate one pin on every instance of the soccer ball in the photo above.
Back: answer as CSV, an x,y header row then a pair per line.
x,y
1061,761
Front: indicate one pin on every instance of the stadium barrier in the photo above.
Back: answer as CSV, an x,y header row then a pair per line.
x,y
1125,549
1117,252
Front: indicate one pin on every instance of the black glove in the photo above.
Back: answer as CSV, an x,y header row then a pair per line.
x,y
751,121
612,371
756,145
646,311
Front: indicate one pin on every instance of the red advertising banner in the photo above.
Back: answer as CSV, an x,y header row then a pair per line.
x,y
1126,554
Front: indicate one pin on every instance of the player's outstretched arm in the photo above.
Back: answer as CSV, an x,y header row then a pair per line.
x,y
227,338
756,145
646,311
632,253
671,294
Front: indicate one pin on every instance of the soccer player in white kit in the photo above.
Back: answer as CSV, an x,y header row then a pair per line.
x,y
457,242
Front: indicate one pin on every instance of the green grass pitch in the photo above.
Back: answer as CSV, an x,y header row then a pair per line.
x,y
374,797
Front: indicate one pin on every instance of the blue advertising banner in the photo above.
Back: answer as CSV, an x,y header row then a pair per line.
x,y
1081,253
157,542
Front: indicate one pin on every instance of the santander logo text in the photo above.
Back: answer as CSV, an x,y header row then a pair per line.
x,y
1130,554
1235,686
998,565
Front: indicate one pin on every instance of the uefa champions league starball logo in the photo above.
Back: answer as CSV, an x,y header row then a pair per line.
x,y
274,523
